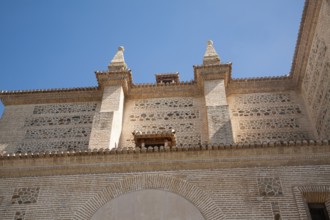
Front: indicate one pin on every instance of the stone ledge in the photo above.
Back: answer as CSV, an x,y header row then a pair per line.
x,y
125,150
150,160
4,92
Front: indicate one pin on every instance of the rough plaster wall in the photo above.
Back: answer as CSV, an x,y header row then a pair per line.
x,y
219,126
240,193
148,205
316,81
186,115
46,127
264,117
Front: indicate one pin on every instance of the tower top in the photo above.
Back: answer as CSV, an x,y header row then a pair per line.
x,y
118,61
210,56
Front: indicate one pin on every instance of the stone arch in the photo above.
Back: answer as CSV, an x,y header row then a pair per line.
x,y
192,193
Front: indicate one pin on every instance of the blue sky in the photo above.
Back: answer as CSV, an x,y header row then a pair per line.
x,y
59,44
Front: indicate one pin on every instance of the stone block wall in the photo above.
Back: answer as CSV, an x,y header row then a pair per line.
x,y
268,117
316,81
186,115
227,193
46,127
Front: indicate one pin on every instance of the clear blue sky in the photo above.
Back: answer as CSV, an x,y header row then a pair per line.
x,y
60,43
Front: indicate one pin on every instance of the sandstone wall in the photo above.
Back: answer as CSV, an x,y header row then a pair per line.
x,y
264,117
46,127
186,115
233,193
316,80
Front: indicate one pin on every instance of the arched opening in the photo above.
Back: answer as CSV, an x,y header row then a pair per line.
x,y
187,191
148,204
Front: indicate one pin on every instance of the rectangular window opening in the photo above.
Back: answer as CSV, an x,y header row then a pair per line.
x,y
318,211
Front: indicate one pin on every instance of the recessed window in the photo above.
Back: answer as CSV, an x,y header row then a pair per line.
x,y
165,139
318,211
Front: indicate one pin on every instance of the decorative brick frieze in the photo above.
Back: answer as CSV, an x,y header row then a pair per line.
x,y
25,195
177,126
269,111
270,186
270,136
165,116
64,108
53,133
316,78
286,123
177,114
60,120
262,98
44,146
270,117
176,102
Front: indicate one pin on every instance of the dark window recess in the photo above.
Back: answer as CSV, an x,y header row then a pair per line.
x,y
165,139
318,211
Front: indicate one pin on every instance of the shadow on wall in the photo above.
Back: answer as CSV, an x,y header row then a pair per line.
x,y
224,134
2,108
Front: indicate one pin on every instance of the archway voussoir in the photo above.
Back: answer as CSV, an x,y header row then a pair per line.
x,y
192,193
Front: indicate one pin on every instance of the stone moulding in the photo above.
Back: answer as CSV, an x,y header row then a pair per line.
x,y
87,94
189,191
5,92
165,159
125,150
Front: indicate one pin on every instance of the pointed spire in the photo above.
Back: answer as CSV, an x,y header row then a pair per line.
x,y
210,56
118,61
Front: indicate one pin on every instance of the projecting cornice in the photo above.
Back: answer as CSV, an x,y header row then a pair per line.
x,y
306,34
154,159
85,94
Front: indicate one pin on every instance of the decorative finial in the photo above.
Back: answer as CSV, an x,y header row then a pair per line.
x,y
210,57
118,61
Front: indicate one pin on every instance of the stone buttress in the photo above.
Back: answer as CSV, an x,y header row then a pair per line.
x,y
212,77
107,124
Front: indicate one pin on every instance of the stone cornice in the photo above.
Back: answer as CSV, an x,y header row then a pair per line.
x,y
51,96
181,89
134,160
261,84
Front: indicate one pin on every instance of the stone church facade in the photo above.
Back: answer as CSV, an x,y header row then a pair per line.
x,y
212,148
